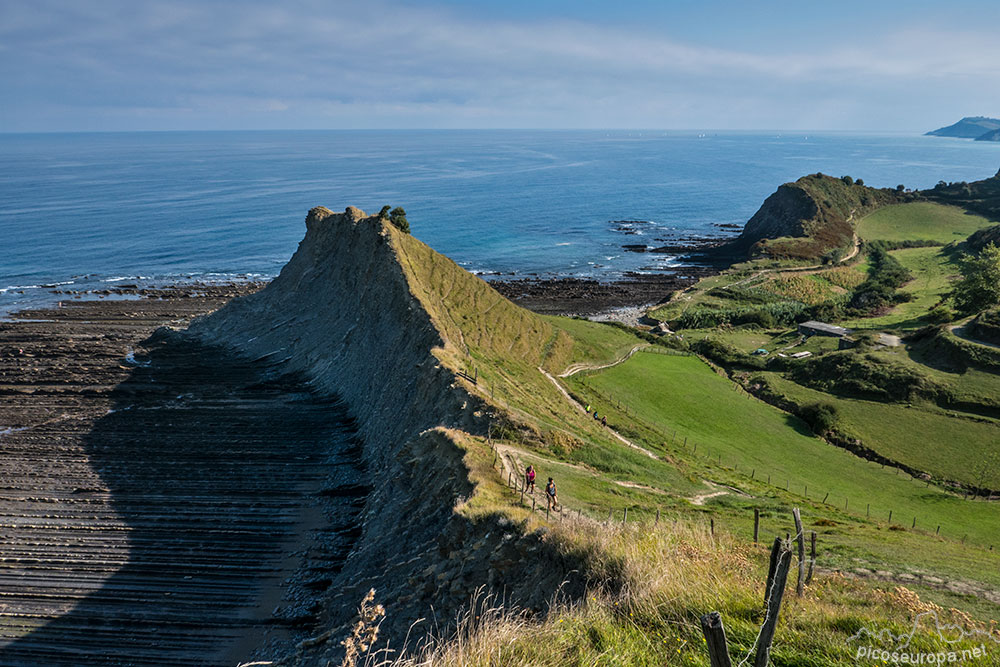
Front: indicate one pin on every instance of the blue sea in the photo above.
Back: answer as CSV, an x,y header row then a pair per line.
x,y
88,211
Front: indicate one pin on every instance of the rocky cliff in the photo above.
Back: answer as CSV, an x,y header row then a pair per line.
x,y
374,316
811,218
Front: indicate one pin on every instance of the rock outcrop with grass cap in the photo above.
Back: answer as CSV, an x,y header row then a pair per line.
x,y
414,345
812,218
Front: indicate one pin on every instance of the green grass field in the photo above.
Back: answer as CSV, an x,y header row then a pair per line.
x,y
669,394
933,270
920,221
920,436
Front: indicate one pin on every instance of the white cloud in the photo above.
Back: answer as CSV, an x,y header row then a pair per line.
x,y
314,63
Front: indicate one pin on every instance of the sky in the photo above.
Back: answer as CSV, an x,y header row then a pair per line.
x,y
123,65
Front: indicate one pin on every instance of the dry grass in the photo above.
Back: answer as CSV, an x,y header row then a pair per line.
x,y
847,277
651,585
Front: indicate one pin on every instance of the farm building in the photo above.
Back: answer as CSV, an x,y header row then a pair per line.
x,y
813,328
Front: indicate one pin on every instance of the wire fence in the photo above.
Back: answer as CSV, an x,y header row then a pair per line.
x,y
888,517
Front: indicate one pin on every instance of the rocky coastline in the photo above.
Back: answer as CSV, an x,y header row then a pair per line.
x,y
606,299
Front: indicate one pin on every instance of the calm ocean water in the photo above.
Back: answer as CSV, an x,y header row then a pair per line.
x,y
90,210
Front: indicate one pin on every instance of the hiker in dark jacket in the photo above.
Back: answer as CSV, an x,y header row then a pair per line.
x,y
550,495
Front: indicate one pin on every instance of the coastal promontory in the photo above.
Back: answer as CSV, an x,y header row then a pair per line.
x,y
980,128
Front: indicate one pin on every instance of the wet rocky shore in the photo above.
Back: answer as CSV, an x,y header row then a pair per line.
x,y
162,502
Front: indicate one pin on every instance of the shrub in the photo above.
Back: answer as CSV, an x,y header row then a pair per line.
x,y
724,355
397,217
979,287
821,417
766,315
885,276
987,326
866,376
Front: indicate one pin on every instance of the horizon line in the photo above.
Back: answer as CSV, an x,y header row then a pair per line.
x,y
486,129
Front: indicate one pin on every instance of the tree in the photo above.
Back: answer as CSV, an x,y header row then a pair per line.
x,y
986,469
398,217
384,213
979,287
860,182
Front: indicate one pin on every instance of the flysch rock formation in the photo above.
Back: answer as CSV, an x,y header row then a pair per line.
x,y
347,315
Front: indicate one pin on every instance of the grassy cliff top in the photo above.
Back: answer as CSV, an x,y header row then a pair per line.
x,y
811,218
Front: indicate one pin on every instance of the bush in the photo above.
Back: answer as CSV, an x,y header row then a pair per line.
x,y
766,315
821,417
397,217
724,355
979,287
987,326
885,276
866,376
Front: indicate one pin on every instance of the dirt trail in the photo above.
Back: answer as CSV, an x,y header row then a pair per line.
x,y
803,269
855,249
576,368
722,491
911,578
579,407
960,331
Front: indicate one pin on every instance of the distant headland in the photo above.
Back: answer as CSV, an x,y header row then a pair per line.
x,y
979,128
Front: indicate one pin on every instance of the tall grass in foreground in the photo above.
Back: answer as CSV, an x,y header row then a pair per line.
x,y
650,586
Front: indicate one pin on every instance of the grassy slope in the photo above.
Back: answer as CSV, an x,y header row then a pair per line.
x,y
667,576
920,220
505,344
670,393
654,619
933,270
921,436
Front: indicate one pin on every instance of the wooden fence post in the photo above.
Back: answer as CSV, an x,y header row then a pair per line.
x,y
782,557
756,524
772,568
657,517
801,539
812,556
625,516
715,640
712,526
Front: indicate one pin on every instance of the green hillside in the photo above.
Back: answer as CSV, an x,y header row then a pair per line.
x,y
689,455
920,221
